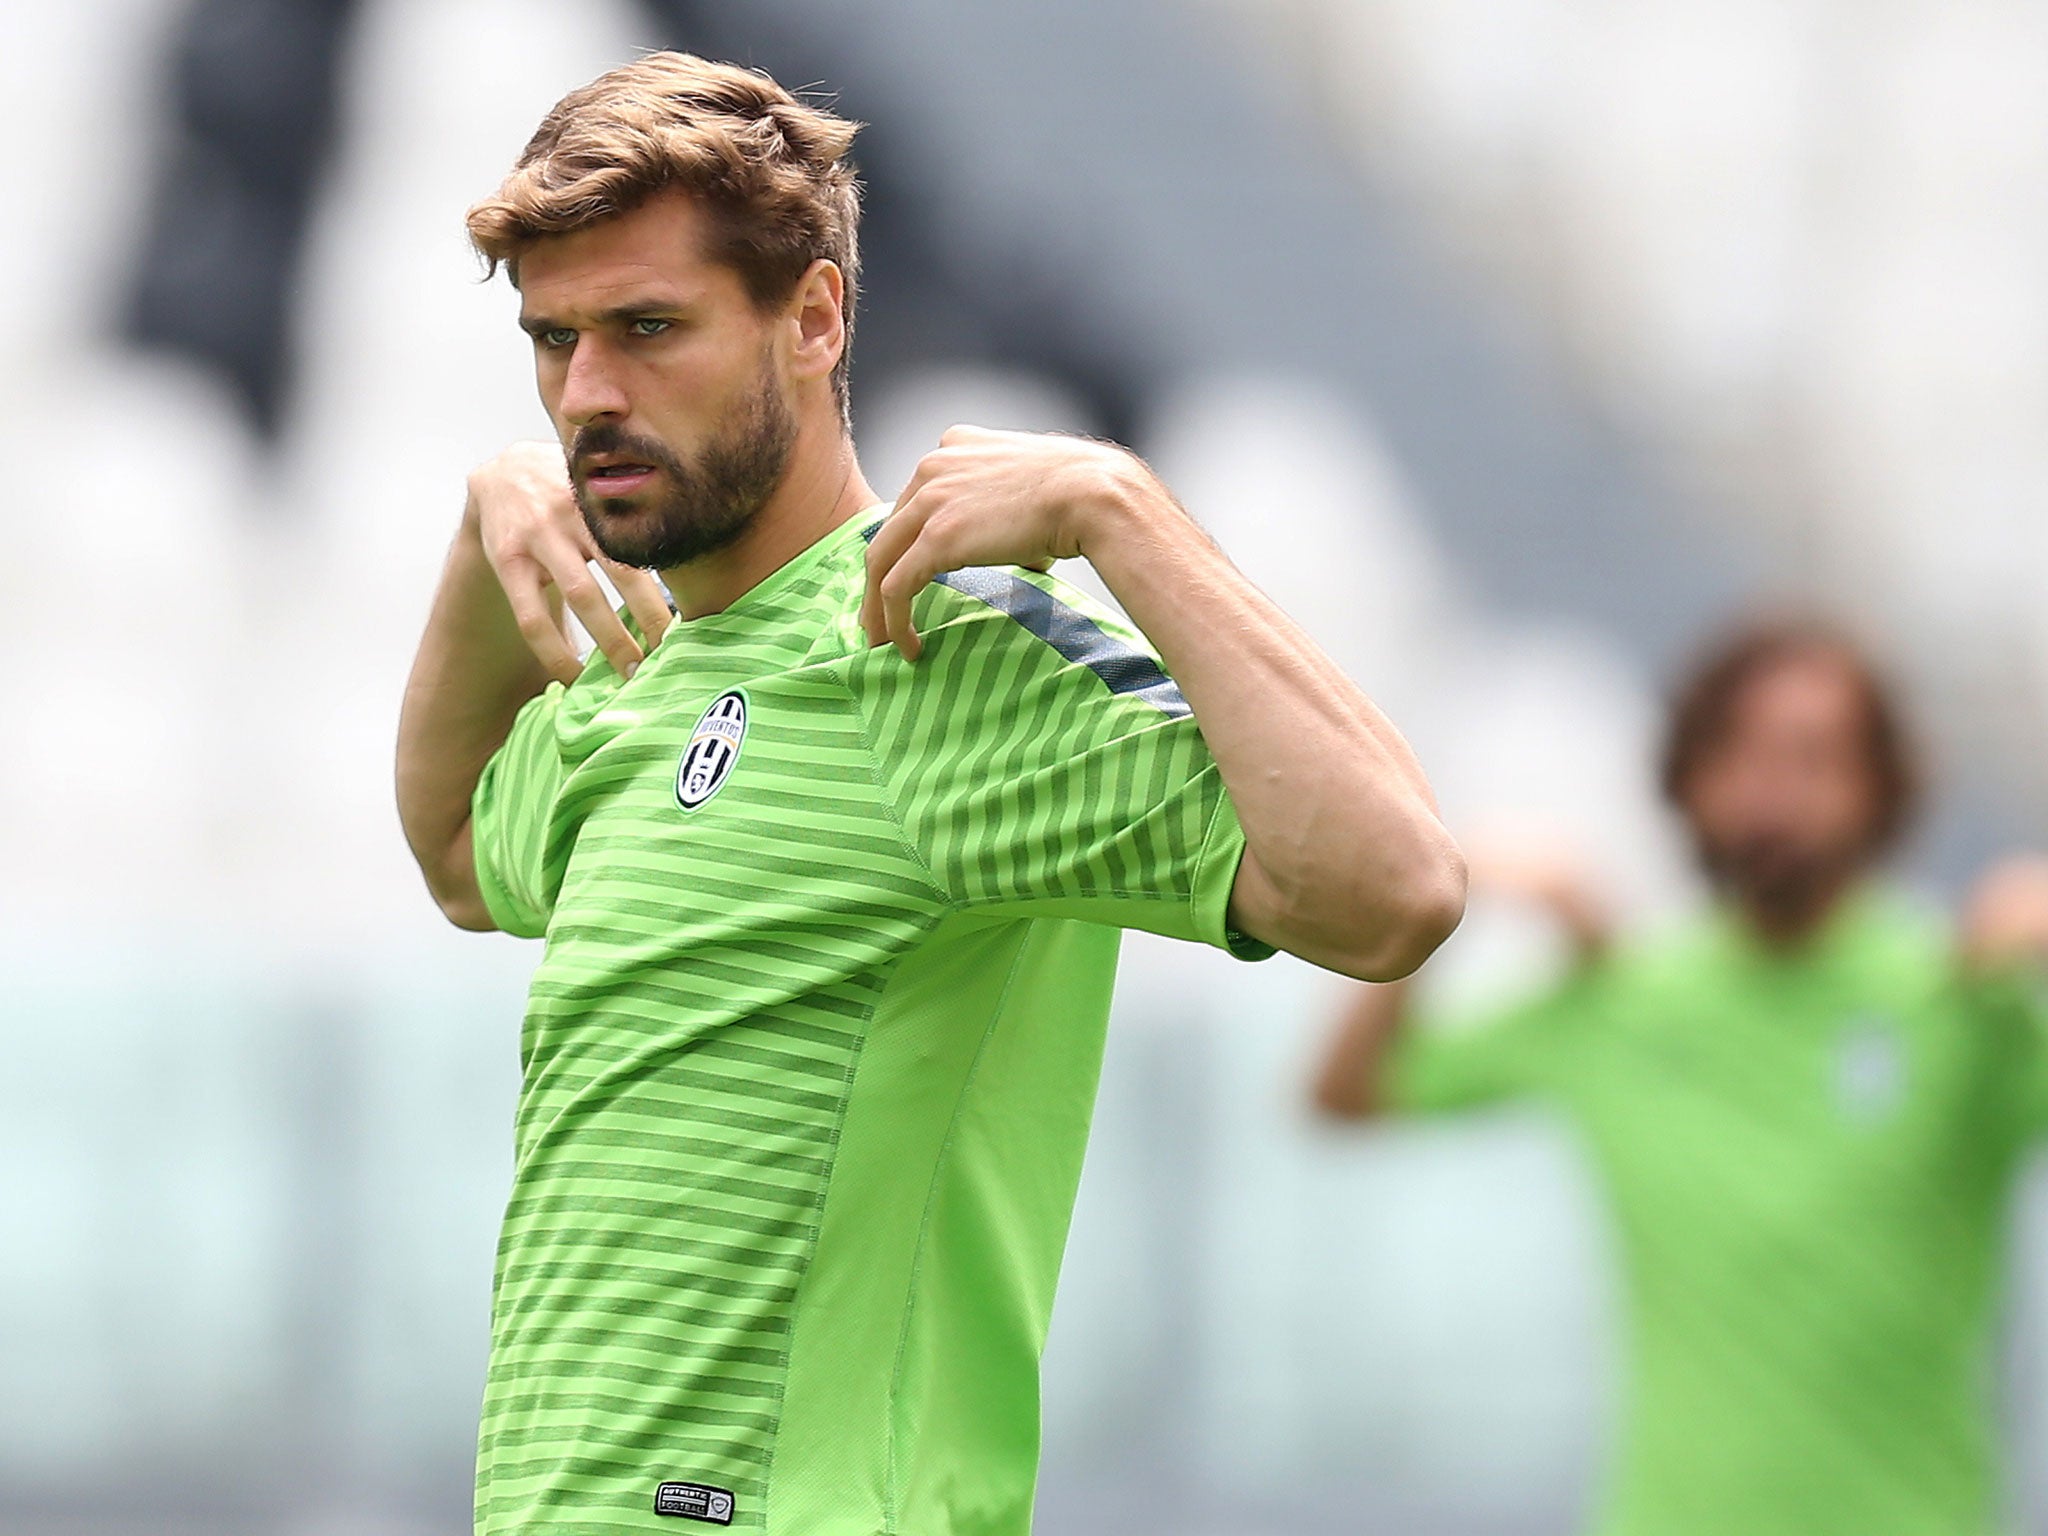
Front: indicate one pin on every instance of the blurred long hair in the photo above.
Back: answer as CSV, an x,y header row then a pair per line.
x,y
1704,704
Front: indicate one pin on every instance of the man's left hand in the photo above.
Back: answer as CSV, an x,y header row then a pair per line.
x,y
985,497
2006,920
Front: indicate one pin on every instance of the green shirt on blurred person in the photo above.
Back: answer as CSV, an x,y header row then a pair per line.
x,y
1809,1156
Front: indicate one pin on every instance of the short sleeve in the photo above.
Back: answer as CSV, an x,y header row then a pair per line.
x,y
510,812
1041,762
1518,1052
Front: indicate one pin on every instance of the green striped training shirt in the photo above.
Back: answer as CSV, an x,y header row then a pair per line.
x,y
812,1047
1809,1158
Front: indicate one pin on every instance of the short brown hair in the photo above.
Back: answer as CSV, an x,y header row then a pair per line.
x,y
772,170
1703,711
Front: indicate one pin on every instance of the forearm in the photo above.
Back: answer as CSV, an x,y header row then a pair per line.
x,y
1347,863
473,672
1350,1081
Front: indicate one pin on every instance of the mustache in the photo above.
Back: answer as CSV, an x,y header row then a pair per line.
x,y
605,438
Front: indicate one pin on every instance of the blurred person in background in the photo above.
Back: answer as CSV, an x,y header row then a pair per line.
x,y
1807,1106
831,860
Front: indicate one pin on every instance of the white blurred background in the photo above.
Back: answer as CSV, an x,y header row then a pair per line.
x,y
1509,343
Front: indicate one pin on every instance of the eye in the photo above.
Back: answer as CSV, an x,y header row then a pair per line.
x,y
647,326
557,336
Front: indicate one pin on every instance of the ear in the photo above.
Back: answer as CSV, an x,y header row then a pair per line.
x,y
817,312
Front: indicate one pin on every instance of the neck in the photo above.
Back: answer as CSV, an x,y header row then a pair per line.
x,y
1790,921
821,489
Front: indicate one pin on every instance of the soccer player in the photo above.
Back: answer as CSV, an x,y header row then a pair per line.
x,y
831,863
1806,1106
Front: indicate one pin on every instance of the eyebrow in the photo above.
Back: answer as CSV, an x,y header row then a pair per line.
x,y
618,314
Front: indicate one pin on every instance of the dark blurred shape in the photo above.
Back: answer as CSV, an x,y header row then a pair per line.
x,y
922,300
256,87
257,117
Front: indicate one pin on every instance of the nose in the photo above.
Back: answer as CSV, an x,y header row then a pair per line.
x,y
591,389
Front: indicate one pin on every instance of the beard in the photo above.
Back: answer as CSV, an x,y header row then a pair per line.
x,y
1776,877
691,510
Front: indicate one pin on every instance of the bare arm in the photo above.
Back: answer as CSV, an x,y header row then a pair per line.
x,y
1350,1082
493,639
1347,864
471,675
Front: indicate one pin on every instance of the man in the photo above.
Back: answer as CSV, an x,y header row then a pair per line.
x,y
1806,1107
830,863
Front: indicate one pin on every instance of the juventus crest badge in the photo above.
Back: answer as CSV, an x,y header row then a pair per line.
x,y
713,750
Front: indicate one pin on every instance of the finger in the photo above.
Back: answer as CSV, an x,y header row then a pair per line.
x,y
898,628
591,604
910,574
645,599
897,533
538,624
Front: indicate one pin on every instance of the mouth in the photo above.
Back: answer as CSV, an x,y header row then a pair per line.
x,y
617,477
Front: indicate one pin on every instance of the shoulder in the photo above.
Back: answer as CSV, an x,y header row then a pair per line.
x,y
1060,623
1902,941
1032,626
1675,960
577,705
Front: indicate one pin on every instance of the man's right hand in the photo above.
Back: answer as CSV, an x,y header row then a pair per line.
x,y
1349,1081
525,516
1550,878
